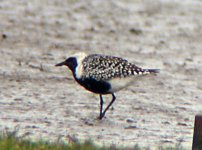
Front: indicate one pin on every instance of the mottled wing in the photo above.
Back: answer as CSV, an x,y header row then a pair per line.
x,y
102,67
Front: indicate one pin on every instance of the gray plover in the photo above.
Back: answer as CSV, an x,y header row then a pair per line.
x,y
102,74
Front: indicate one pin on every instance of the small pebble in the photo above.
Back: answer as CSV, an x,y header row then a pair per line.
x,y
129,120
131,127
4,36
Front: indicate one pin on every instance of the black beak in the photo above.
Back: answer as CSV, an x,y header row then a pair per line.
x,y
60,64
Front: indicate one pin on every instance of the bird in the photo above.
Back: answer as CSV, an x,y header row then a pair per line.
x,y
103,74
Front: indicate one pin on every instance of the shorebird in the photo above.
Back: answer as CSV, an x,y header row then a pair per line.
x,y
103,74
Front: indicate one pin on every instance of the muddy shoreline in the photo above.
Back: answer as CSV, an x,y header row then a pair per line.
x,y
45,102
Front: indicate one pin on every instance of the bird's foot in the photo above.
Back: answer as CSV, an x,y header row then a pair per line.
x,y
101,116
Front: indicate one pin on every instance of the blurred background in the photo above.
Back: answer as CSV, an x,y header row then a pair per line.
x,y
44,101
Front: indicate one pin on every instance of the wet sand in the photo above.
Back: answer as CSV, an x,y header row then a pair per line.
x,y
45,102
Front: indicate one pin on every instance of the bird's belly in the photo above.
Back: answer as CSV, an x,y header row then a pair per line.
x,y
99,87
120,83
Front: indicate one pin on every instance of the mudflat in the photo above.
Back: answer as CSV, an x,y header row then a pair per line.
x,y
45,102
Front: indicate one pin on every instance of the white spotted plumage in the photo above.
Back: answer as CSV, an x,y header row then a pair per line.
x,y
103,74
117,71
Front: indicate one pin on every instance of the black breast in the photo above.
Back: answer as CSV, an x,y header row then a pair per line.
x,y
99,87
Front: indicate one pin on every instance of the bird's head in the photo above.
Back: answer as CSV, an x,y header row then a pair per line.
x,y
73,61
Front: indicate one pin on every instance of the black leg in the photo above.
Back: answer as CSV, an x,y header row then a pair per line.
x,y
101,106
113,99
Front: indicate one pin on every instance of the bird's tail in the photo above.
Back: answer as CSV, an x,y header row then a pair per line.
x,y
153,70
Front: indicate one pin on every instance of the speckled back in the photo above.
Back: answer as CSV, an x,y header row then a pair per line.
x,y
102,67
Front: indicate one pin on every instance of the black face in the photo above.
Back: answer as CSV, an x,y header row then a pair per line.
x,y
70,62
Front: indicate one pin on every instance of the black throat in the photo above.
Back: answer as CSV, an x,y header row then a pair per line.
x,y
100,87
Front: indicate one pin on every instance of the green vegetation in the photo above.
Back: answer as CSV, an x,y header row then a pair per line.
x,y
10,141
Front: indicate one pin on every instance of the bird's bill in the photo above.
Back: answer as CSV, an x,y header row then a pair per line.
x,y
60,64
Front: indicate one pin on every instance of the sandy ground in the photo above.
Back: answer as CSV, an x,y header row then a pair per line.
x,y
45,102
